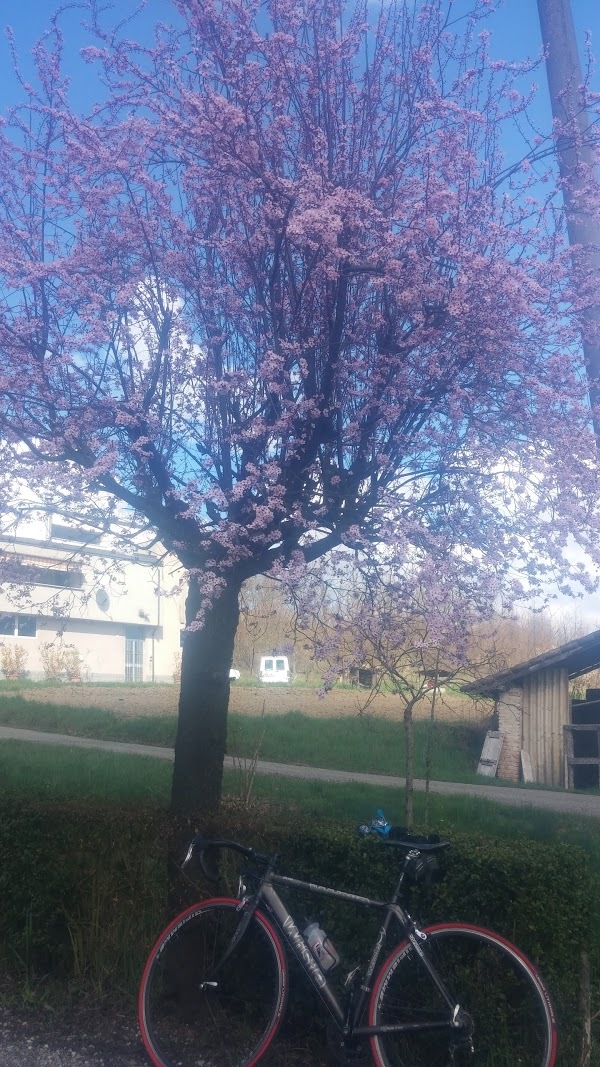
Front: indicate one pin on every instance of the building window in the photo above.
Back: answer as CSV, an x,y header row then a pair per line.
x,y
73,533
18,625
33,574
53,576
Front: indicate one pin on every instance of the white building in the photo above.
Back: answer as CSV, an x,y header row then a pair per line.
x,y
63,585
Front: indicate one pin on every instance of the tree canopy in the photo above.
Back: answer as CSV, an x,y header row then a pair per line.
x,y
280,291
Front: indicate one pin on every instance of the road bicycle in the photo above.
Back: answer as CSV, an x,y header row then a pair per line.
x,y
215,986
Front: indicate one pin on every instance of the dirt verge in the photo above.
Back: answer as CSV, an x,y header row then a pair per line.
x,y
252,700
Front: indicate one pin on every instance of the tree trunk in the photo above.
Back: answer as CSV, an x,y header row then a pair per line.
x,y
204,700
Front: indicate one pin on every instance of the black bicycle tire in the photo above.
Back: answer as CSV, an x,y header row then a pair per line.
x,y
520,963
158,1057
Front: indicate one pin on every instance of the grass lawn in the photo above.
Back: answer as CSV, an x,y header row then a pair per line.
x,y
29,770
359,743
86,722
352,743
39,770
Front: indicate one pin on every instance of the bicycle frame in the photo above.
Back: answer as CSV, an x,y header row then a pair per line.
x,y
347,1019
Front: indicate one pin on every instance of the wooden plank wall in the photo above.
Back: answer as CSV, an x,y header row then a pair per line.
x,y
546,709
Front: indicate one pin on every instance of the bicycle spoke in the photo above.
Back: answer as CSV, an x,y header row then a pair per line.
x,y
198,1011
506,1020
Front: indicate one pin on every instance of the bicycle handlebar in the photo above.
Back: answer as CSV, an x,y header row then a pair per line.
x,y
203,845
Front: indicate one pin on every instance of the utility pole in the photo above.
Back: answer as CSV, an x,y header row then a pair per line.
x,y
575,164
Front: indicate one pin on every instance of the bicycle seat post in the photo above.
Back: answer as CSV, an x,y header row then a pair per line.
x,y
397,894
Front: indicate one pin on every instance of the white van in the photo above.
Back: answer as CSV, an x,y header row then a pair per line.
x,y
274,669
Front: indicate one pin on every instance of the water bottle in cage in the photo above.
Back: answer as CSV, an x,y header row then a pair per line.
x,y
321,947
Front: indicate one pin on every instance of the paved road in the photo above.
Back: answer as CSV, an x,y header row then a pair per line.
x,y
567,802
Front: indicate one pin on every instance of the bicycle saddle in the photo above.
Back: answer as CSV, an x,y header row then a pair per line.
x,y
402,838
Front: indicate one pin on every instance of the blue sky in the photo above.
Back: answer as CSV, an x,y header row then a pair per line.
x,y
516,34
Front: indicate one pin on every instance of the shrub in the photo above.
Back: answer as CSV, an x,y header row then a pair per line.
x,y
13,661
84,892
177,668
61,662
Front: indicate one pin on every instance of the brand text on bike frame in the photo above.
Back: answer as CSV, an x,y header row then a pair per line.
x,y
275,906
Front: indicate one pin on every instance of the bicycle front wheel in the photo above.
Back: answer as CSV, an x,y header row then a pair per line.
x,y
508,1020
194,1012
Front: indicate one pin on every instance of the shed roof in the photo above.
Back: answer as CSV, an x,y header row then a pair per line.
x,y
578,656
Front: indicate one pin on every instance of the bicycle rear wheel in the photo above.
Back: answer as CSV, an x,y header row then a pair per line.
x,y
193,1013
510,1021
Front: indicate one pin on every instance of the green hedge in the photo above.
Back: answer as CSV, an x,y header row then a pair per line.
x,y
82,889
84,892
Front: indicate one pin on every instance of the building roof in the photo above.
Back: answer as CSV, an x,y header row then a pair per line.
x,y
578,656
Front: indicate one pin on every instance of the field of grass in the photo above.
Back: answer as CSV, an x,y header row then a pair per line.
x,y
61,773
86,722
137,781
353,743
359,743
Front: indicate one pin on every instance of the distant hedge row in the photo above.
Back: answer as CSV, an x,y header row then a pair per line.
x,y
84,892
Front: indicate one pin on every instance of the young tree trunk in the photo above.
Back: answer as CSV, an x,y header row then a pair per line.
x,y
585,1005
409,733
429,749
203,702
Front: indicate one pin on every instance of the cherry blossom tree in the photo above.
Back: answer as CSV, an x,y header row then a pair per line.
x,y
280,292
416,621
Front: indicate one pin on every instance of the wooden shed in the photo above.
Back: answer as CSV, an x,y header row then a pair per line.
x,y
535,715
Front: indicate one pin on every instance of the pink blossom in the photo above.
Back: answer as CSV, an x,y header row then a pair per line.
x,y
277,305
